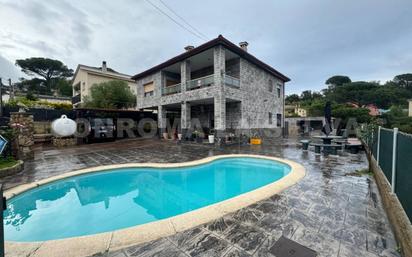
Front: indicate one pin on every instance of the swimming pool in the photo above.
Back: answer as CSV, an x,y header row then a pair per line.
x,y
121,198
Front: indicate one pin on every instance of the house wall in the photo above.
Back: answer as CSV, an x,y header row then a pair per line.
x,y
257,100
233,115
233,67
87,80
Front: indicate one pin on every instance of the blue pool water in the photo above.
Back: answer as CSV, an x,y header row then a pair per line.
x,y
121,198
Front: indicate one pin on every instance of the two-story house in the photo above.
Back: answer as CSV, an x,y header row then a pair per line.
x,y
86,76
218,84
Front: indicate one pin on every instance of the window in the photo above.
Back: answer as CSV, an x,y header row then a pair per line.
x,y
270,86
279,120
278,87
146,94
148,89
270,118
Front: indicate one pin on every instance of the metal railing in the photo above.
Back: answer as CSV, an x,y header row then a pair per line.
x,y
76,99
171,89
202,82
232,81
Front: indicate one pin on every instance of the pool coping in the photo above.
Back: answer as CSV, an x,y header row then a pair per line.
x,y
117,239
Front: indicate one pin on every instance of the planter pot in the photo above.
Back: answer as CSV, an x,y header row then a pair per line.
x,y
199,139
255,141
211,139
165,136
12,170
179,136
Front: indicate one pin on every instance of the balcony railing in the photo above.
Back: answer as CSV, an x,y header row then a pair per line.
x,y
76,99
200,82
171,89
232,81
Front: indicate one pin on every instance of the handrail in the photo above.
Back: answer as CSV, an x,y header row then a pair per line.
x,y
207,76
232,81
201,82
171,89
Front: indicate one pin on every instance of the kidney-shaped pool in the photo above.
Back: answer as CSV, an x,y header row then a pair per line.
x,y
120,198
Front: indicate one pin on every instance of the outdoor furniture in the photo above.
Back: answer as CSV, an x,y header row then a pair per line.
x,y
327,140
305,144
327,148
353,145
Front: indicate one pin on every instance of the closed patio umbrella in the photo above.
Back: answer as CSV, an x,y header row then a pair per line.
x,y
327,128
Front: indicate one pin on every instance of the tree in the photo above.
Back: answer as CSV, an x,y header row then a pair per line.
x,y
46,68
293,98
404,80
112,94
308,95
64,87
359,92
338,80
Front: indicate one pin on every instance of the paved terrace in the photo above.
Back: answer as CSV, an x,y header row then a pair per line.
x,y
330,210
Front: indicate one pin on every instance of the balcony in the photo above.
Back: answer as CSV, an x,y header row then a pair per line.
x,y
202,82
76,99
232,81
171,89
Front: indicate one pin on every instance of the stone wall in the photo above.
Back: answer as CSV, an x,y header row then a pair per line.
x,y
256,97
257,100
233,115
42,127
22,124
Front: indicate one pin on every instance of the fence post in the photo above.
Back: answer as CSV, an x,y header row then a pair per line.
x,y
379,145
395,139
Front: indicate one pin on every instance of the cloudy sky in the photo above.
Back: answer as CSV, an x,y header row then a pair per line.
x,y
308,40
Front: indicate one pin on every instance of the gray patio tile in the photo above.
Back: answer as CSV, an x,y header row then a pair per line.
x,y
248,238
323,244
236,252
206,244
116,254
183,238
350,251
378,243
278,226
158,248
327,206
221,225
248,215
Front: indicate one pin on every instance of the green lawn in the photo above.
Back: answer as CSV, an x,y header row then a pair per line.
x,y
7,162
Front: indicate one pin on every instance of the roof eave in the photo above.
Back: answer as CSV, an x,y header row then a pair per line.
x,y
214,42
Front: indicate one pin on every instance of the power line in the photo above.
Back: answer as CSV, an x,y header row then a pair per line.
x,y
175,21
184,20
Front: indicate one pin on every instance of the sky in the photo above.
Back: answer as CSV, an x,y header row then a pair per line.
x,y
307,40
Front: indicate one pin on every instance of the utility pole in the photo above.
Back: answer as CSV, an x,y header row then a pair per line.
x,y
11,90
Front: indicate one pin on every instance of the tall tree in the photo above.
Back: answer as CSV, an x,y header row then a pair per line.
x,y
293,98
404,80
112,94
46,68
338,80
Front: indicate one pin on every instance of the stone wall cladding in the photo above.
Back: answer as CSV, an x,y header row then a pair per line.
x,y
24,134
257,100
254,99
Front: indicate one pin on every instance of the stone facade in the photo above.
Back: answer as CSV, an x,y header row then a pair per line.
x,y
22,124
257,104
